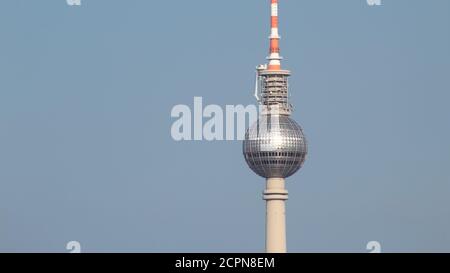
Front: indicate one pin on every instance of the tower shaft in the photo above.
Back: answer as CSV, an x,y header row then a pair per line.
x,y
274,147
274,98
275,196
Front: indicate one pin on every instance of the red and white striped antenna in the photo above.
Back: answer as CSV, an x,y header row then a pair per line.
x,y
271,88
274,57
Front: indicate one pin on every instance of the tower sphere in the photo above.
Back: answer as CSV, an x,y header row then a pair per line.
x,y
275,146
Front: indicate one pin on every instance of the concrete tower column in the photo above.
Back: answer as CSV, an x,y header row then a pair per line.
x,y
274,146
275,196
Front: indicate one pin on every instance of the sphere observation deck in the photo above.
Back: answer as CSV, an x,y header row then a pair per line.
x,y
275,146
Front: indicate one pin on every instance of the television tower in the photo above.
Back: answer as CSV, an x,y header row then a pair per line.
x,y
274,147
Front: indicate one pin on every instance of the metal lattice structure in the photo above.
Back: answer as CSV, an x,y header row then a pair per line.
x,y
274,91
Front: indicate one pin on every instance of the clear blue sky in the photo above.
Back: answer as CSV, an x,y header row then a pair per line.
x,y
85,146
